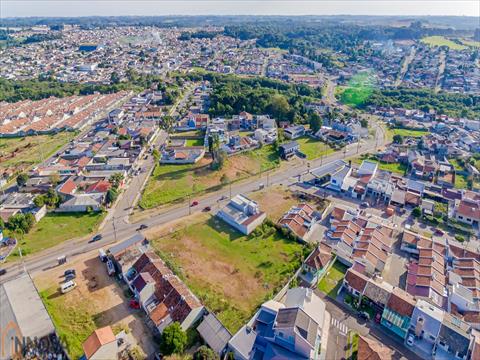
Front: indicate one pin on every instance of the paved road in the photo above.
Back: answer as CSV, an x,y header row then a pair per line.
x,y
118,228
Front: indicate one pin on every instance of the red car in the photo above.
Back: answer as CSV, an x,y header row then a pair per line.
x,y
194,203
378,317
134,304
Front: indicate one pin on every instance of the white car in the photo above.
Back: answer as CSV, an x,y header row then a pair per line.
x,y
410,340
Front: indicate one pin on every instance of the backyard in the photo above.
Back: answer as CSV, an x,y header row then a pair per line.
x,y
332,280
169,183
21,153
313,148
54,229
232,274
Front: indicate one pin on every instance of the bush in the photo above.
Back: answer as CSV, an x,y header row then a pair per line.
x,y
460,238
205,353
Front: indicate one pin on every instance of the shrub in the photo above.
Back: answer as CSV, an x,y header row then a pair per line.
x,y
174,339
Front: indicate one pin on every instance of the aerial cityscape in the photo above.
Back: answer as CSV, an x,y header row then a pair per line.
x,y
205,184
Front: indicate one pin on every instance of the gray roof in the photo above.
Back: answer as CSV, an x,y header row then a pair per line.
x,y
242,342
328,169
20,304
455,333
118,248
290,145
214,333
298,319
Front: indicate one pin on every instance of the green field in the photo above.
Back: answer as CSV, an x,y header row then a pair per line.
x,y
332,281
461,181
442,41
195,142
470,43
409,133
30,150
232,274
73,324
170,183
54,229
313,148
394,167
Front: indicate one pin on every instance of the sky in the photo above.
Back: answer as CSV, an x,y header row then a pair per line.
x,y
53,8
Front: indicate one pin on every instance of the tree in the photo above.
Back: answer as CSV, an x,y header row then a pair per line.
x,y
174,339
315,121
224,179
22,179
417,212
156,155
116,179
111,196
279,107
398,139
114,78
205,353
21,222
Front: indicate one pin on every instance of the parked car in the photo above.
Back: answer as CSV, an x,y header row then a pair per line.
x,y
207,208
68,286
410,340
439,232
110,268
223,197
102,255
97,237
70,277
142,227
69,272
134,304
364,315
194,203
364,204
3,272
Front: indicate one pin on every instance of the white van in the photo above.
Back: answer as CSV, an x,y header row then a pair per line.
x,y
68,286
102,255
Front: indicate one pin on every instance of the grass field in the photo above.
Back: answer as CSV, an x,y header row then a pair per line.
x,y
22,153
313,148
461,181
332,281
442,41
231,273
195,142
55,228
394,167
409,133
170,183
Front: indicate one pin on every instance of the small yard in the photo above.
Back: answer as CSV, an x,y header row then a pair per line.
x,y
195,142
56,228
392,167
231,273
332,280
461,181
313,148
170,183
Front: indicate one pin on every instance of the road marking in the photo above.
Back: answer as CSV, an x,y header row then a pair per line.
x,y
342,327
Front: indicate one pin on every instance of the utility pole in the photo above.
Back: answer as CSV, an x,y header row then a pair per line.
x,y
230,189
189,205
114,229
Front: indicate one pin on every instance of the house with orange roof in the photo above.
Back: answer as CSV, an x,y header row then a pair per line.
x,y
301,220
101,345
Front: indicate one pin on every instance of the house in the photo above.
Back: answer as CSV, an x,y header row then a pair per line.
x,y
82,203
354,282
454,339
323,174
101,345
316,264
167,298
370,349
242,213
301,220
288,150
467,211
426,324
266,136
378,293
398,312
291,330
182,155
294,132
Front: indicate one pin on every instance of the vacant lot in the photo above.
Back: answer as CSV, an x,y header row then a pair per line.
x,y
332,280
392,167
232,274
55,228
313,148
410,133
442,41
195,142
21,153
275,201
170,183
96,302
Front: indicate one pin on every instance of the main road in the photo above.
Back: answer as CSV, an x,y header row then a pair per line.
x,y
117,226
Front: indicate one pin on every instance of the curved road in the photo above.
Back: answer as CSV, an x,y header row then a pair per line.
x,y
118,228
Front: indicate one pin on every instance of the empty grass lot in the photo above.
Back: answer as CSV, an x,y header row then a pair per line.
x,y
55,228
232,274
332,281
22,153
396,168
313,148
442,41
170,183
410,133
195,142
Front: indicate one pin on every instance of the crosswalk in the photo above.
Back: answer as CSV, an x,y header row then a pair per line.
x,y
339,325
